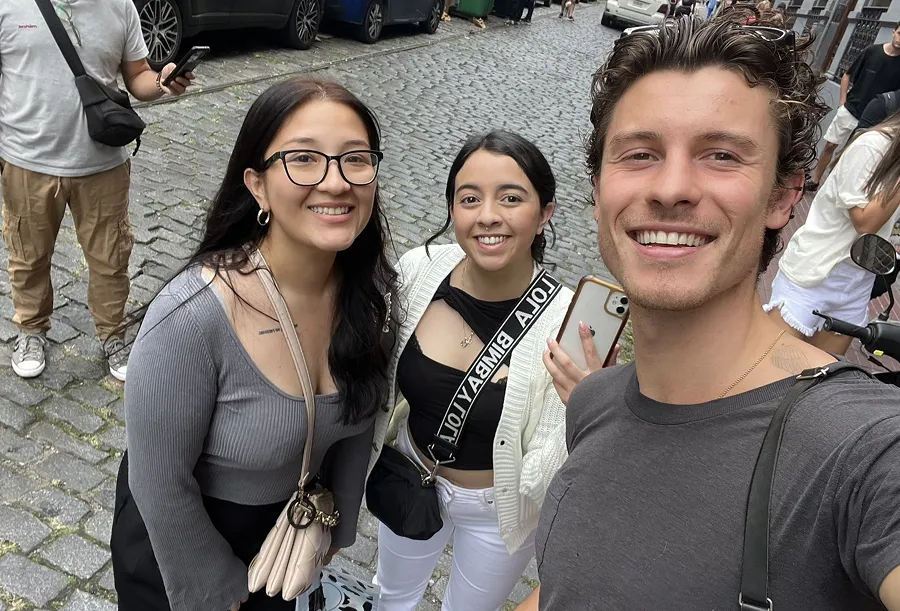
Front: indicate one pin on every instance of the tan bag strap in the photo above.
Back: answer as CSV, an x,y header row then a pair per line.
x,y
293,342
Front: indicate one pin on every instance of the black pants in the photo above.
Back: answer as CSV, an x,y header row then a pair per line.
x,y
521,5
139,583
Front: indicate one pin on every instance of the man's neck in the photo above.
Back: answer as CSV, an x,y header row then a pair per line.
x,y
890,49
691,357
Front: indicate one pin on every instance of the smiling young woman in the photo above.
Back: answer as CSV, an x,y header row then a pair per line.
x,y
500,199
215,411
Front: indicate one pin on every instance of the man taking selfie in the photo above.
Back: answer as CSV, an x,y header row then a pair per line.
x,y
49,160
648,511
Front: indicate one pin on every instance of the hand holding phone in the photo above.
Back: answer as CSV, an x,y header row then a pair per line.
x,y
587,339
186,64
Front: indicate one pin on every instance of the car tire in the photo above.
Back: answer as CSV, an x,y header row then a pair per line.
x,y
303,24
163,28
373,23
430,25
606,20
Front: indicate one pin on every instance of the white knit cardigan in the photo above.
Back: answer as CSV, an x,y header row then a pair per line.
x,y
530,443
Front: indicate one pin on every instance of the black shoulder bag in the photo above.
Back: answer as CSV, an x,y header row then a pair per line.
x,y
110,118
399,493
754,595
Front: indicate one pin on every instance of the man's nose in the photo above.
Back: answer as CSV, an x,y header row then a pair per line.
x,y
675,182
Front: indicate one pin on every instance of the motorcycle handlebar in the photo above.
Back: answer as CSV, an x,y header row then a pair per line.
x,y
882,336
845,328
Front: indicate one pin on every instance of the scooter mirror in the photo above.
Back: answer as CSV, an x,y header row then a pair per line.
x,y
873,253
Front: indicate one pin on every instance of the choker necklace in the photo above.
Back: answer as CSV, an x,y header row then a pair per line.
x,y
752,367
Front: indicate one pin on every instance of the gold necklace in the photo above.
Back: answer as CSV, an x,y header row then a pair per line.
x,y
752,367
467,339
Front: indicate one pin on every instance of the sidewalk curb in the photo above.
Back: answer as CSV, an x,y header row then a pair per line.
x,y
317,67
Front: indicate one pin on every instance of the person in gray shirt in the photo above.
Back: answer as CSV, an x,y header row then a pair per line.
x,y
49,162
702,134
214,410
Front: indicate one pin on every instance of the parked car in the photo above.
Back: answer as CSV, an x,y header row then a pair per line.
x,y
370,16
166,23
632,12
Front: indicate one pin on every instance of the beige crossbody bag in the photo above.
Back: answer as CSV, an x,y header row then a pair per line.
x,y
291,558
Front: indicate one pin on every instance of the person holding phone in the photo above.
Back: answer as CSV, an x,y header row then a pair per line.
x,y
49,162
215,413
500,199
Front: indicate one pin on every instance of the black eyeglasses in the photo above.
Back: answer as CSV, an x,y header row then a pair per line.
x,y
307,168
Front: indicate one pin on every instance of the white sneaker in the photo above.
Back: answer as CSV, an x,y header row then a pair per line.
x,y
117,357
28,360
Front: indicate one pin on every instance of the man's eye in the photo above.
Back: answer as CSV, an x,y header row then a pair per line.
x,y
640,157
723,156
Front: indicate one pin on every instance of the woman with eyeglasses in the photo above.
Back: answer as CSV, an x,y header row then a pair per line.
x,y
214,408
500,197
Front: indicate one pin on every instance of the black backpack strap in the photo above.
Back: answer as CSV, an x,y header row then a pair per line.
x,y
61,36
754,594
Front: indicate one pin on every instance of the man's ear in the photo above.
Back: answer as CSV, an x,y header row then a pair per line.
x,y
783,201
254,183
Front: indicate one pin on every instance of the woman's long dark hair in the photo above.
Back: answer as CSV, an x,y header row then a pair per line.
x,y
527,156
368,283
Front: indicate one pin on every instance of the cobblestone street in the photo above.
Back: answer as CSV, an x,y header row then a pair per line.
x,y
62,434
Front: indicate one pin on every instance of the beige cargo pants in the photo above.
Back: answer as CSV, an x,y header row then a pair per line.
x,y
33,209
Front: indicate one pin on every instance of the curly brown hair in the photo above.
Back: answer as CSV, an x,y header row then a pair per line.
x,y
688,45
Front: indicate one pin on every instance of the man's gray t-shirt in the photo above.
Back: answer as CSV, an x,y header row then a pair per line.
x,y
42,123
648,510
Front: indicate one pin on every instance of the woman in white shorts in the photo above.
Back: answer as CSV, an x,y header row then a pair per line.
x,y
816,273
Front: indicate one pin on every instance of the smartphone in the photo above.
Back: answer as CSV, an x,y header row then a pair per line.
x,y
187,63
604,308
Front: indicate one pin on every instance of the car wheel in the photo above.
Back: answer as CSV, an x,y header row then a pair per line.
x,y
430,25
303,24
606,20
162,28
370,30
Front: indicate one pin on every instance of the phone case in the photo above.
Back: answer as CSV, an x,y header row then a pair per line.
x,y
604,308
187,63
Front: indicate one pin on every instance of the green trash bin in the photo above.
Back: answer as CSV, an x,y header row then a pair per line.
x,y
474,8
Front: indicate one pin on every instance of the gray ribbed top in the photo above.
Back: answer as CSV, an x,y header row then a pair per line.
x,y
202,419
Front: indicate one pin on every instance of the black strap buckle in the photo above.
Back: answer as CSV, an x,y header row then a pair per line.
x,y
747,605
812,374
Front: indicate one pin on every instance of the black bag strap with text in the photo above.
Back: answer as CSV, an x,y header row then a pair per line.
x,y
754,594
534,301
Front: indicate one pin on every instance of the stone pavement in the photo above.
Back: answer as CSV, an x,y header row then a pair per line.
x,y
61,435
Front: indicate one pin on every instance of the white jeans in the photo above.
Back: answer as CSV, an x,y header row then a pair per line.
x,y
483,573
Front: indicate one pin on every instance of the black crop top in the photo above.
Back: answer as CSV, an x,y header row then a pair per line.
x,y
429,385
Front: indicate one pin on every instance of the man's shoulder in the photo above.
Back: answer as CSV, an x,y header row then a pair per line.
x,y
845,408
600,390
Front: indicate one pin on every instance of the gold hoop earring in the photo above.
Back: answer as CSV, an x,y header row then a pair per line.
x,y
263,220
